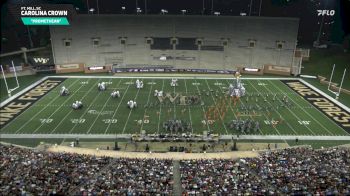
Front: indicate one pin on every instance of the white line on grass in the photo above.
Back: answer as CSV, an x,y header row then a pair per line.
x,y
101,110
71,130
31,119
189,108
160,109
128,136
216,107
62,120
276,87
203,107
330,98
86,111
250,116
174,104
169,77
282,116
127,120
115,111
145,112
265,114
37,113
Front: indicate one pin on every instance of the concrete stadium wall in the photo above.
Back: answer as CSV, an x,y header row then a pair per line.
x,y
238,30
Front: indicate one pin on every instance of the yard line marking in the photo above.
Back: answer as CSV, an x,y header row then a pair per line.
x,y
160,109
62,120
174,104
189,108
216,107
264,113
30,120
127,120
328,97
202,107
290,126
86,111
104,105
115,111
304,109
250,116
128,136
145,112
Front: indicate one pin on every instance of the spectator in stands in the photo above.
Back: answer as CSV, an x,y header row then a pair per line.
x,y
294,171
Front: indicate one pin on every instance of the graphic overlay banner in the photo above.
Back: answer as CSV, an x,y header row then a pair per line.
x,y
336,113
43,14
15,107
45,21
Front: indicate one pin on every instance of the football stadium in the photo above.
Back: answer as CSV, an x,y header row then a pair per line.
x,y
210,97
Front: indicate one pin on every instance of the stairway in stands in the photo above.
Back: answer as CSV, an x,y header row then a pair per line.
x,y
177,178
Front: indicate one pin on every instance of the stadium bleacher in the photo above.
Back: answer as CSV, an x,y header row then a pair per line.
x,y
292,171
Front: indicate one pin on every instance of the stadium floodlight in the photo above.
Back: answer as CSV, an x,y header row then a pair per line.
x,y
15,74
123,8
92,10
183,12
341,83
216,13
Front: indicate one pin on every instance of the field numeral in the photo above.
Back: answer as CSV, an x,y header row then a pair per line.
x,y
196,83
46,120
271,122
304,122
108,82
110,121
218,84
208,122
262,84
77,120
146,121
84,82
151,83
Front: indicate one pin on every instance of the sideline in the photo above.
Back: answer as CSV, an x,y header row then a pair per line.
x,y
142,155
128,136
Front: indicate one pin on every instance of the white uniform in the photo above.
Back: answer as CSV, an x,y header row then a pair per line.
x,y
139,84
173,82
64,91
155,93
115,94
101,86
132,104
77,105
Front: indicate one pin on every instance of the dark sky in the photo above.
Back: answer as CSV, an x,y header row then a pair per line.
x,y
306,10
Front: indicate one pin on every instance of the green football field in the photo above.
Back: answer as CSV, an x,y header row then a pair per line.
x,y
104,115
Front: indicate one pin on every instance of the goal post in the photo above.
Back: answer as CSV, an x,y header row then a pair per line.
x,y
9,90
337,93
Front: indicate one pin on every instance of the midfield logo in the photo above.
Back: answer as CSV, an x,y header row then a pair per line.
x,y
325,12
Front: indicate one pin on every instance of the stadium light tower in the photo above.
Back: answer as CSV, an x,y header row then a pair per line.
x,y
91,10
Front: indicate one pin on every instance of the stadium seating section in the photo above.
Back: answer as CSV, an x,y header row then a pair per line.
x,y
293,171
